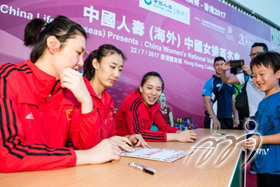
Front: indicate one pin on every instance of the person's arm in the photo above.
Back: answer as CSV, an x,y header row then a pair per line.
x,y
86,123
247,70
271,139
105,151
208,106
19,154
255,141
225,79
85,132
123,142
182,136
74,81
207,93
262,140
235,113
85,129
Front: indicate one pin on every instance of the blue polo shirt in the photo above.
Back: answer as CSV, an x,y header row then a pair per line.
x,y
224,102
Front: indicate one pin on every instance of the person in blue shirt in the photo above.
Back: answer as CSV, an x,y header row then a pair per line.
x,y
266,74
221,111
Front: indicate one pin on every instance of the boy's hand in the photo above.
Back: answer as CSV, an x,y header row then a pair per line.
x,y
253,143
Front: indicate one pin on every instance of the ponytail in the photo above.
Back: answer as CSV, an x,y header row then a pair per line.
x,y
89,70
32,31
37,31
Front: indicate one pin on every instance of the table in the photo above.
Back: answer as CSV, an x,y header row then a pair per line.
x,y
183,172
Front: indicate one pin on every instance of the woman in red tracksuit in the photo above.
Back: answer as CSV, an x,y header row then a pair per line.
x,y
140,110
38,100
102,69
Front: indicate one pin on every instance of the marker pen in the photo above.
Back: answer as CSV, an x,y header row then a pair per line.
x,y
128,144
142,168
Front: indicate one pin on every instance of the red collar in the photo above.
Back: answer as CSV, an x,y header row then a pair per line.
x,y
42,83
106,95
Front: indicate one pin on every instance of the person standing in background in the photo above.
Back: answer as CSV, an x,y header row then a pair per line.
x,y
254,95
225,104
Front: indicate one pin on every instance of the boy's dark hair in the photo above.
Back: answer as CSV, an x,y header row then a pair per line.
x,y
99,54
152,74
218,59
267,59
265,48
38,30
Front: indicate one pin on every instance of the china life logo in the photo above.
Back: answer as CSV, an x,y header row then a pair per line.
x,y
148,2
168,9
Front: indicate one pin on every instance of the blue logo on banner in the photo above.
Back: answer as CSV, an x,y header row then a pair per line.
x,y
148,2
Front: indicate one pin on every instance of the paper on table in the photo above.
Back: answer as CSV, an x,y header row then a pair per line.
x,y
158,154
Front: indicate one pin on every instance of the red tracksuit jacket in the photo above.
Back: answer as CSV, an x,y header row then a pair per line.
x,y
35,118
102,125
132,117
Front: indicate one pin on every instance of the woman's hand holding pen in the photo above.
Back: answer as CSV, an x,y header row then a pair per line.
x,y
123,142
138,141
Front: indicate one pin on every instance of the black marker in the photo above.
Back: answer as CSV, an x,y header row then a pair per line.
x,y
128,144
142,168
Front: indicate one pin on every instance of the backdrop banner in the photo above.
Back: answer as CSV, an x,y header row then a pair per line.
x,y
179,39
